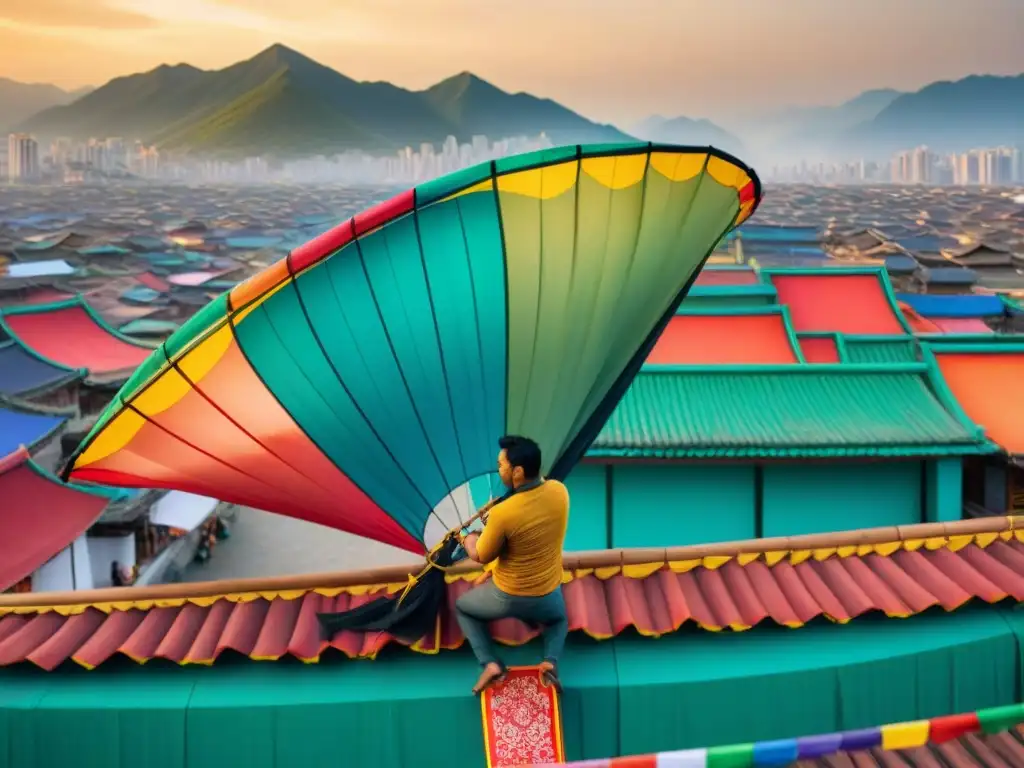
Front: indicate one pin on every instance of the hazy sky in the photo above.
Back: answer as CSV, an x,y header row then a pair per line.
x,y
609,60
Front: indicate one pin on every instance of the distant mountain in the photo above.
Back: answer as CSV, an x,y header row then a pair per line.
x,y
475,106
810,131
978,111
684,130
19,101
284,103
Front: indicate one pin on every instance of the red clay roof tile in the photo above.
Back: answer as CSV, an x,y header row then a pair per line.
x,y
734,596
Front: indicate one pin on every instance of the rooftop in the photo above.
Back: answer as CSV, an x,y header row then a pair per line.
x,y
72,335
790,581
820,411
40,515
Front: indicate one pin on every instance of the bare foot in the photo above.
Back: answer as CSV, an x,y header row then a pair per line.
x,y
549,674
492,673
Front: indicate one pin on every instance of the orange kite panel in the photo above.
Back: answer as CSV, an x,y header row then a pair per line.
x,y
988,388
854,304
724,340
71,337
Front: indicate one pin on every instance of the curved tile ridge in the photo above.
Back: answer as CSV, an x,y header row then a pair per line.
x,y
715,588
636,563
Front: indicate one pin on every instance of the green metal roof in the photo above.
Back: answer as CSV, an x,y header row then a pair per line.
x,y
879,349
812,411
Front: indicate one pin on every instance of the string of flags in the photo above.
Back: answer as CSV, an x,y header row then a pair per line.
x,y
783,752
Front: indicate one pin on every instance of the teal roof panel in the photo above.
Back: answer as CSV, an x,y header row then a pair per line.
x,y
820,411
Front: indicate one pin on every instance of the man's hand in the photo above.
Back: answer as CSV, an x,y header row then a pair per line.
x,y
469,544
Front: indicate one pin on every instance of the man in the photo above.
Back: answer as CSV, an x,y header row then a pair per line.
x,y
524,533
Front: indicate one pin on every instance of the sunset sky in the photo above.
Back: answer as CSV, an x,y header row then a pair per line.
x,y
608,60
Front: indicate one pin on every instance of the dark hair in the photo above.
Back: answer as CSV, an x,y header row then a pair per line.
x,y
522,452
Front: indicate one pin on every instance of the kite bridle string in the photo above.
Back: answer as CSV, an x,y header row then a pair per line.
x,y
431,562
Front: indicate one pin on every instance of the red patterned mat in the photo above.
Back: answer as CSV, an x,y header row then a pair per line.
x,y
522,722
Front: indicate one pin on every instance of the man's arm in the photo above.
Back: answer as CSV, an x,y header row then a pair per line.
x,y
486,546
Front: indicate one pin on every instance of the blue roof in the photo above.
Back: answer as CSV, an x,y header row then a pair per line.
x,y
18,428
761,232
22,373
900,264
970,305
141,294
952,275
927,242
252,242
104,250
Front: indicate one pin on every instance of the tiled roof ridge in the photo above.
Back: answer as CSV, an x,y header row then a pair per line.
x,y
641,561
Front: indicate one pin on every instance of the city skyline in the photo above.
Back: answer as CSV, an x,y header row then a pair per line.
x,y
693,58
113,159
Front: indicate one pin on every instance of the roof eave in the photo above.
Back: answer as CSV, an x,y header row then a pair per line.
x,y
796,452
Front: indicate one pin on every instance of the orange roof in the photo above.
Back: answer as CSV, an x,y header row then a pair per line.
x,y
715,339
987,385
856,302
918,322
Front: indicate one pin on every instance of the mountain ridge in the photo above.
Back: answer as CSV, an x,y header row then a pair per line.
x,y
687,131
20,101
282,102
948,115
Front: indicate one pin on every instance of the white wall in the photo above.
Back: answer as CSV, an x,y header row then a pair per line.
x,y
56,574
104,550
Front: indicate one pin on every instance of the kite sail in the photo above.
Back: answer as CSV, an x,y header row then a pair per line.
x,y
363,381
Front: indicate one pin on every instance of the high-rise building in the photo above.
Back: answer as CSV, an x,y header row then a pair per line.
x,y
22,157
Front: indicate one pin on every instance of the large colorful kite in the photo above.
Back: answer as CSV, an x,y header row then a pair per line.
x,y
364,379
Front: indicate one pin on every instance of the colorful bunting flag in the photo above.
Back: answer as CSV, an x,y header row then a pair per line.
x,y
783,752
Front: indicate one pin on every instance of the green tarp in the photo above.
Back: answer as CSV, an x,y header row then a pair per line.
x,y
628,695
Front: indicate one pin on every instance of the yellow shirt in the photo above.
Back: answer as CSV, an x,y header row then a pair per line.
x,y
525,534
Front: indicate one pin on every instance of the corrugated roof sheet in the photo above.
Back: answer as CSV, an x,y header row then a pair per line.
x,y
880,350
943,305
813,411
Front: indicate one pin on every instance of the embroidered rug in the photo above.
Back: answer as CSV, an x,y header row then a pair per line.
x,y
522,722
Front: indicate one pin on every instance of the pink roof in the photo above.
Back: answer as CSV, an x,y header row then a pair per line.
x,y
70,335
193,279
40,516
961,325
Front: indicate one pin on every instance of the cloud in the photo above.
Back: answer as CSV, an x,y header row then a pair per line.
x,y
92,14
